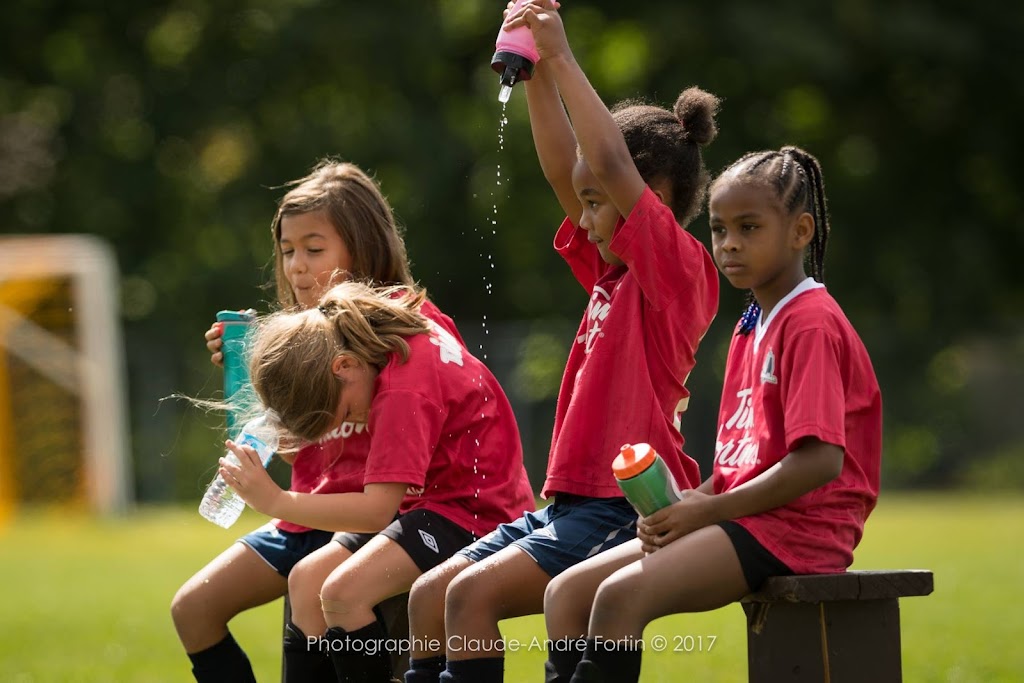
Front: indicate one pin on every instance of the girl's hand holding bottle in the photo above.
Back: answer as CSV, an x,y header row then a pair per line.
x,y
250,479
695,511
541,16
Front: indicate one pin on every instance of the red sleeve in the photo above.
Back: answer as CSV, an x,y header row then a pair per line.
x,y
583,257
813,396
666,260
405,428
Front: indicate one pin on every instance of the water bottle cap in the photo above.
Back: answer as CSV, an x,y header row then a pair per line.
x,y
246,316
632,460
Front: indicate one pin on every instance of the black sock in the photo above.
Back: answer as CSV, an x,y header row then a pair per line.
x,y
224,662
305,661
359,656
563,657
608,661
426,670
482,670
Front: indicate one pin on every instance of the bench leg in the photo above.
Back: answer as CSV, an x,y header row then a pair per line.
x,y
831,642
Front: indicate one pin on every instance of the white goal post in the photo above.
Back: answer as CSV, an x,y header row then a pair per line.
x,y
82,363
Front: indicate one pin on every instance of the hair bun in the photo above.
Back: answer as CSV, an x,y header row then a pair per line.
x,y
696,110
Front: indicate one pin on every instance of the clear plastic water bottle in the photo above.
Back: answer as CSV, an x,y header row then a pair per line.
x,y
221,505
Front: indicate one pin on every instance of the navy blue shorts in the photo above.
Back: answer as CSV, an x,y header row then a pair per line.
x,y
282,550
564,533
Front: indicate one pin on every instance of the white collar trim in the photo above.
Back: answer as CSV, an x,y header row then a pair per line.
x,y
761,328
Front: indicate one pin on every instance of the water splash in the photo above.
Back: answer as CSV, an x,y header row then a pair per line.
x,y
488,286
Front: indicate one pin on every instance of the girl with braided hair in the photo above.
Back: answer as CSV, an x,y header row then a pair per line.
x,y
798,450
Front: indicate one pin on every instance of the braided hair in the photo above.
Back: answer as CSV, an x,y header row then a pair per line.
x,y
795,176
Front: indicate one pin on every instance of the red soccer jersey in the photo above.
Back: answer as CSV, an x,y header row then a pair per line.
x,y
337,462
803,373
440,423
625,380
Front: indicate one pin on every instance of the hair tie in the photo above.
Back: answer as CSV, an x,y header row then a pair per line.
x,y
749,318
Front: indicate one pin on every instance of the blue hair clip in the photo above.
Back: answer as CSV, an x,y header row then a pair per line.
x,y
749,318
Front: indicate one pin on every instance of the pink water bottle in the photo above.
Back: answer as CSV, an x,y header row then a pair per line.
x,y
514,56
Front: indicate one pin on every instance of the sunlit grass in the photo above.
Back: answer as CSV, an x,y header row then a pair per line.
x,y
87,600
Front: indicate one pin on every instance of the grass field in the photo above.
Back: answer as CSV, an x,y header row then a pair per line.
x,y
86,600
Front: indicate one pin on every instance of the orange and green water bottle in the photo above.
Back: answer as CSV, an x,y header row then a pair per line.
x,y
644,478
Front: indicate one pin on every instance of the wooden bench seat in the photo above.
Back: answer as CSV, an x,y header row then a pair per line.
x,y
829,628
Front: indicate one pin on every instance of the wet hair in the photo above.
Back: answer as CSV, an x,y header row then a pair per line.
x,y
666,145
292,351
794,175
355,206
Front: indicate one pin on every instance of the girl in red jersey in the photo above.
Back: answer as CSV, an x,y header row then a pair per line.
x,y
628,180
332,224
440,429
798,452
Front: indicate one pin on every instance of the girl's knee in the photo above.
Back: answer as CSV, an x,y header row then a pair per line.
x,y
428,590
614,593
336,589
470,590
304,578
180,606
557,590
189,609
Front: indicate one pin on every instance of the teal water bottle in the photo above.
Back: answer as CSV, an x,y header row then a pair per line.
x,y
645,479
234,326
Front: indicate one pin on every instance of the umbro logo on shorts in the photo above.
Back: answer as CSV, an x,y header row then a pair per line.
x,y
429,541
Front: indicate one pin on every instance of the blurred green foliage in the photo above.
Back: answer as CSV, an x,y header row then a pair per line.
x,y
168,129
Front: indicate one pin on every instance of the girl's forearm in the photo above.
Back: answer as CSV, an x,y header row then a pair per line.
x,y
553,138
364,512
800,472
598,135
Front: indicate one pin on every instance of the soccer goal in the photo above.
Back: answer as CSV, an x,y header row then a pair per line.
x,y
63,430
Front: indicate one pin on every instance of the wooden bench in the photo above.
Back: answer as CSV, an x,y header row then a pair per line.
x,y
829,628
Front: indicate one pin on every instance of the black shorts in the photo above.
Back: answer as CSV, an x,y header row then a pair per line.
x,y
757,563
427,537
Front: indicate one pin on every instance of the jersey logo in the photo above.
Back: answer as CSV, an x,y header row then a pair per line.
x,y
346,430
451,350
768,369
414,490
741,452
597,310
429,541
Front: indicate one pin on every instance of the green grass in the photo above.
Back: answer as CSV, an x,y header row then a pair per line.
x,y
87,600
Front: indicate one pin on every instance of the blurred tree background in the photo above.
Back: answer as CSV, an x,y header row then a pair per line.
x,y
168,128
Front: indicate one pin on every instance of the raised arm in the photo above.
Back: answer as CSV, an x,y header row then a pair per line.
x,y
597,134
553,139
